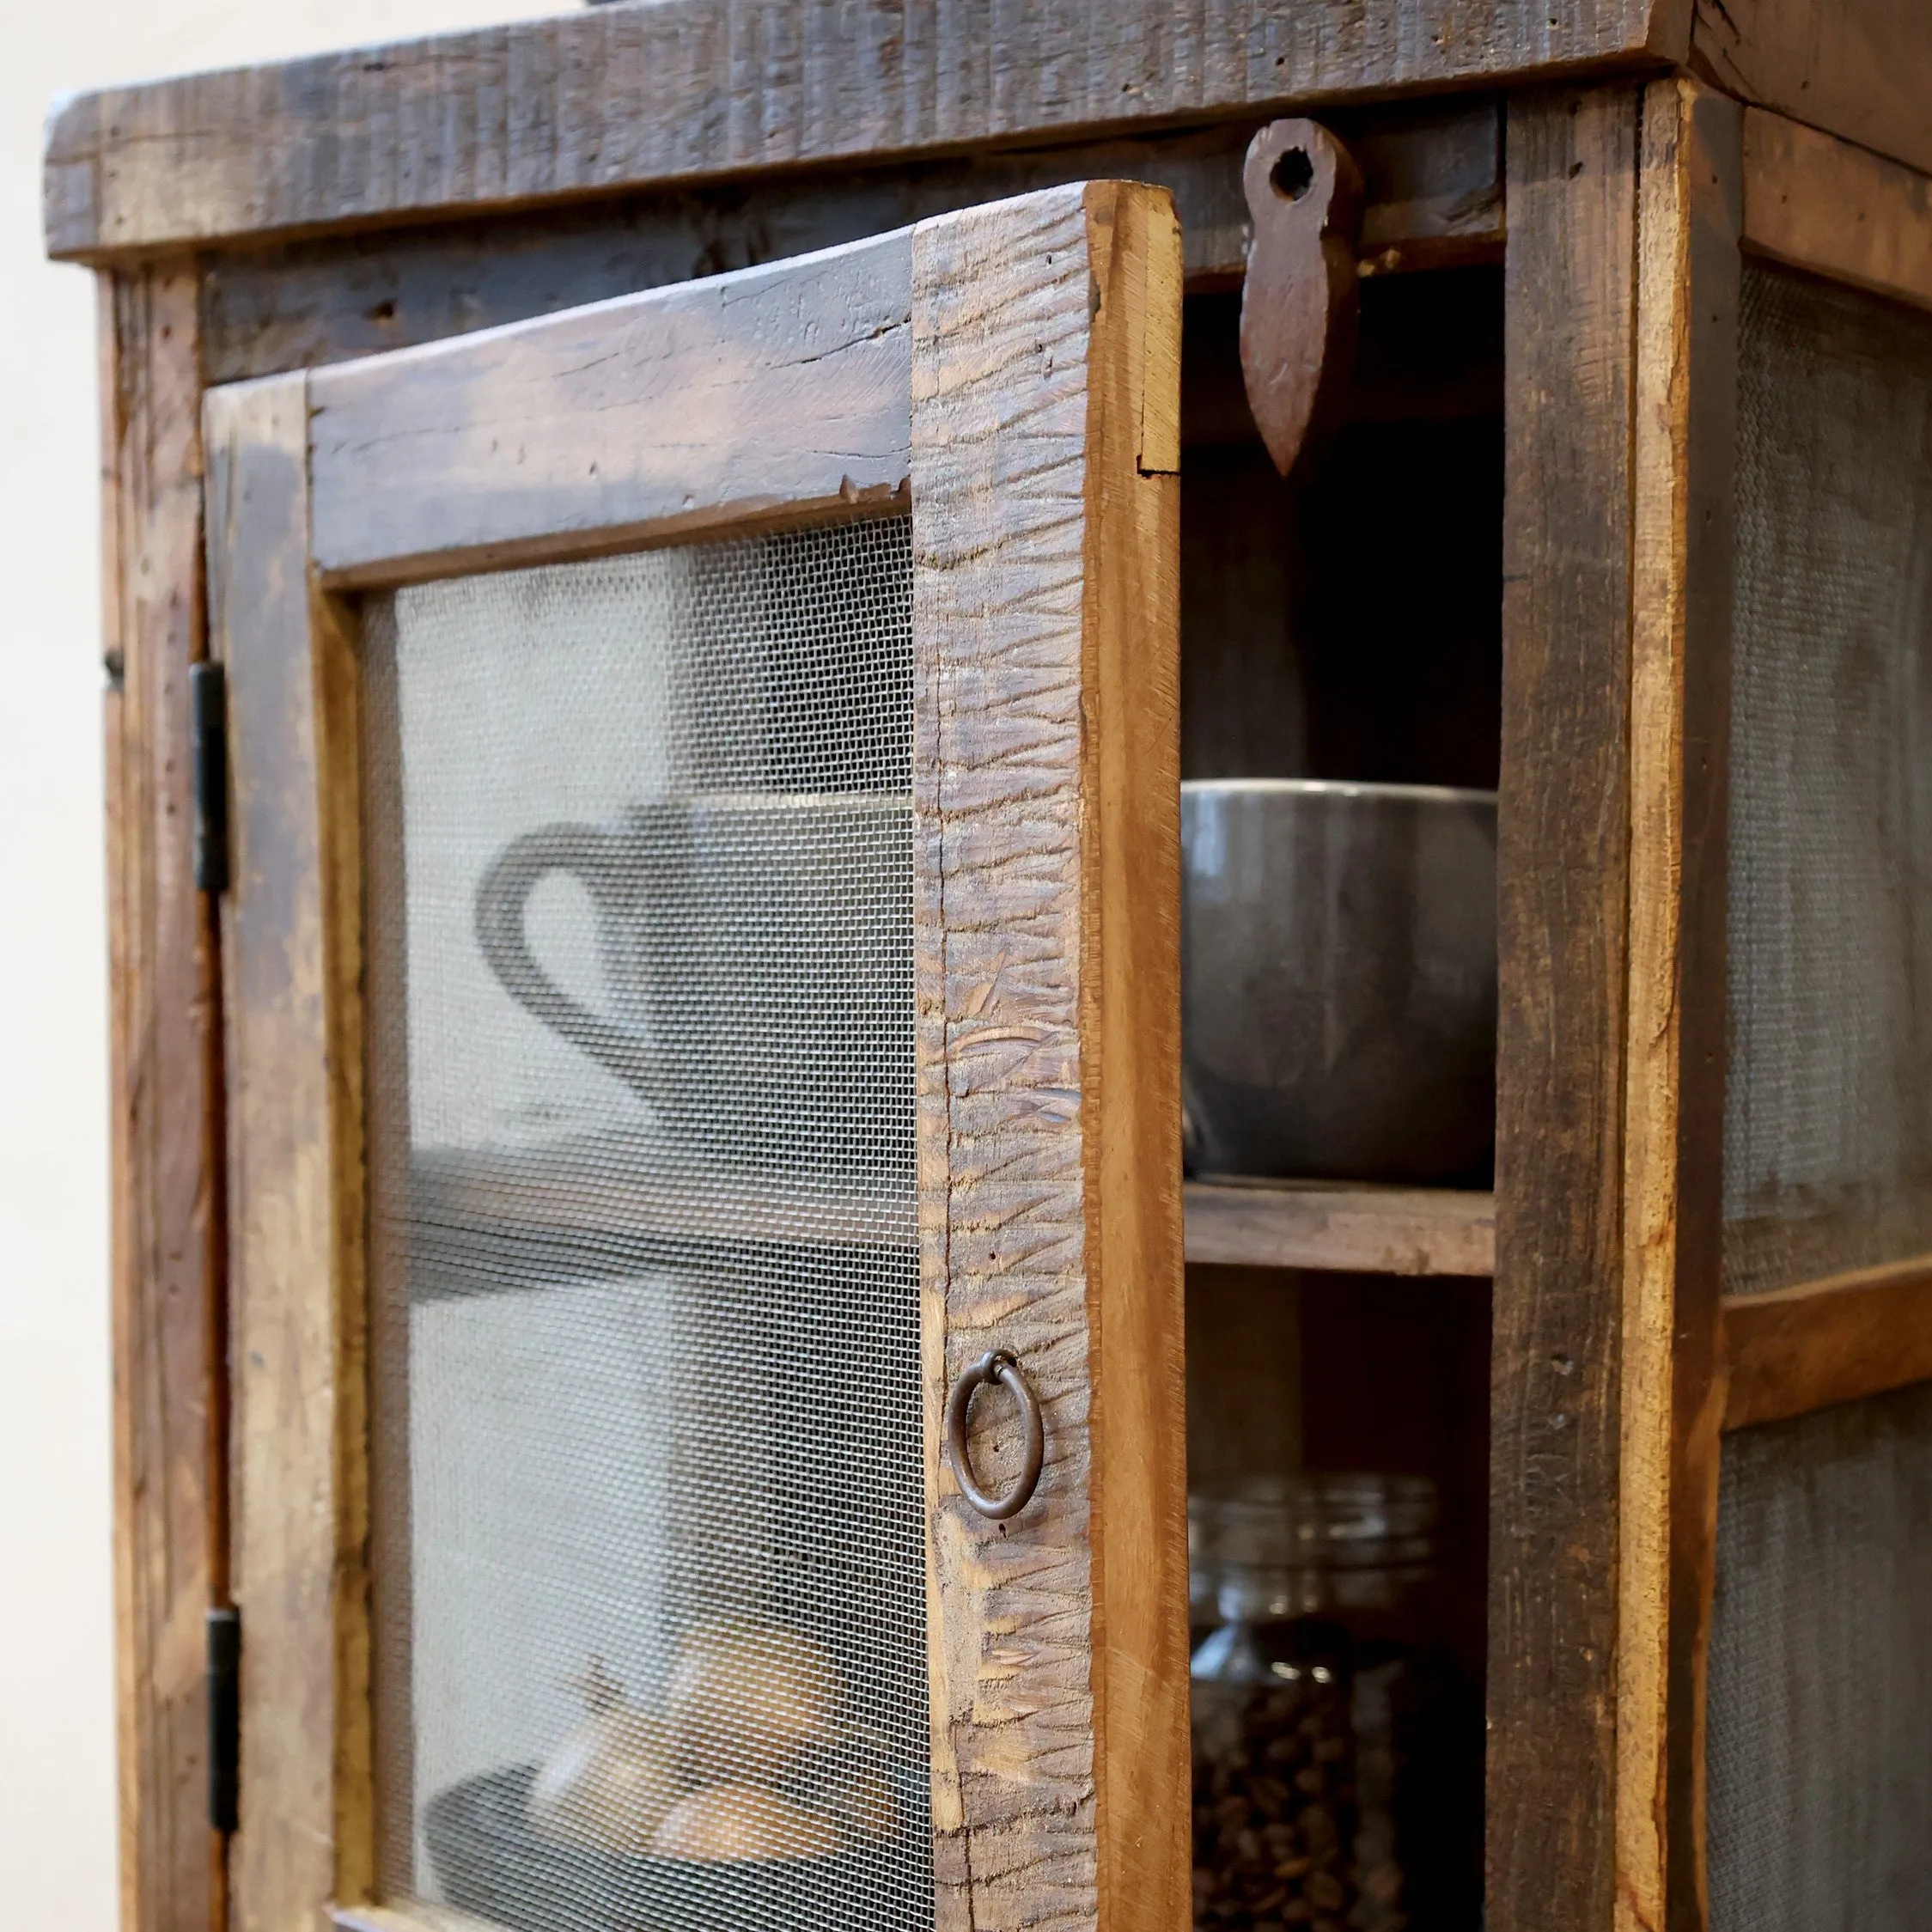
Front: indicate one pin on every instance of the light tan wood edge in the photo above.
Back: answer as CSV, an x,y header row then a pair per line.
x,y
772,393
1688,278
165,1134
1837,1340
1357,1230
293,955
605,99
416,1918
1862,69
1046,443
1814,203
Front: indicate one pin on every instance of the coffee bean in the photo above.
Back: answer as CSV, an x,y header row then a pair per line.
x,y
1274,1804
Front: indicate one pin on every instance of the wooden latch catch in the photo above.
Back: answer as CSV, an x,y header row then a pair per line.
x,y
1301,302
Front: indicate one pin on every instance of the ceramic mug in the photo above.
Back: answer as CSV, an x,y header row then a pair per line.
x,y
757,953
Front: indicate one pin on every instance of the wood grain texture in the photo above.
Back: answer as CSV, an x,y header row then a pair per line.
x,y
389,1184
537,1198
1433,171
417,1916
1821,204
1862,69
1046,961
1688,275
1301,297
626,96
295,1060
1563,844
1837,1340
1360,1230
1130,1049
777,390
165,1135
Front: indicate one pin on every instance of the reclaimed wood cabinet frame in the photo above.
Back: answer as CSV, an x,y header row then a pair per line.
x,y
716,130
1013,373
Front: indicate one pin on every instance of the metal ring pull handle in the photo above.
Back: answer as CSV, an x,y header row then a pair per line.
x,y
995,1367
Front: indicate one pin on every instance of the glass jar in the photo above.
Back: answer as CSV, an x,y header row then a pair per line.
x,y
1338,1750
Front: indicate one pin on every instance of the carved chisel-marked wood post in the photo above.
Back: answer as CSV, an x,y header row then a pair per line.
x,y
1301,302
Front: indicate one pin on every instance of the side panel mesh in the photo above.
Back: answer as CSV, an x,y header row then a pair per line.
x,y
647,1483
1819,1745
1828,1134
1819,1714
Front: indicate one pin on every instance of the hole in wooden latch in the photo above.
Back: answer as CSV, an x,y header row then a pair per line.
x,y
1293,175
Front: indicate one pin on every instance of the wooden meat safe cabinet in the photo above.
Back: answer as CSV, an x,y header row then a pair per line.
x,y
1022,968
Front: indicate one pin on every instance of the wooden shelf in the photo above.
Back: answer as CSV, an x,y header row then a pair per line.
x,y
617,1200
1353,1226
599,1202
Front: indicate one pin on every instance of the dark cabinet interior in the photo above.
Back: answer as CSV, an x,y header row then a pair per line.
x,y
1348,624
1345,624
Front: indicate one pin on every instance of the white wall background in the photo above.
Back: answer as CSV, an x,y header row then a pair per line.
x,y
57,1735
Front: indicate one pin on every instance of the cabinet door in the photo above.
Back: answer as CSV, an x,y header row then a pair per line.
x,y
702,978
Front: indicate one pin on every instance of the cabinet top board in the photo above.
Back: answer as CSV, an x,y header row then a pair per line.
x,y
623,97
666,96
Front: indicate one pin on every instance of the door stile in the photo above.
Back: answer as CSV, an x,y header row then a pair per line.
x,y
1690,221
293,938
1563,835
1045,448
165,1131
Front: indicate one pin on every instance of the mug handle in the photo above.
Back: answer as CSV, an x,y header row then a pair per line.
x,y
593,855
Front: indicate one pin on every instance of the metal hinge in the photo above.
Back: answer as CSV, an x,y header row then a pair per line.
x,y
208,749
225,1719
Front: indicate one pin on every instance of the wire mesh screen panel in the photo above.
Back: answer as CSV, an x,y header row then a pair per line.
x,y
647,1473
1819,1751
1828,1136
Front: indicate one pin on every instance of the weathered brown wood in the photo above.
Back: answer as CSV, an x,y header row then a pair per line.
x,y
1432,183
340,882
1861,69
1837,1340
541,1198
1301,298
780,390
392,1198
1688,270
626,96
1562,845
1433,192
293,955
1360,1230
1821,204
166,1095
1047,958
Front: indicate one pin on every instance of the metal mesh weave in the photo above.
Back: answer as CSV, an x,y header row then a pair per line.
x,y
1819,1741
648,1490
1828,1132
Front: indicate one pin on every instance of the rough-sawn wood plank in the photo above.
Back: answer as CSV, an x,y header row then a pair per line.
x,y
1355,1229
614,97
780,389
1045,433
